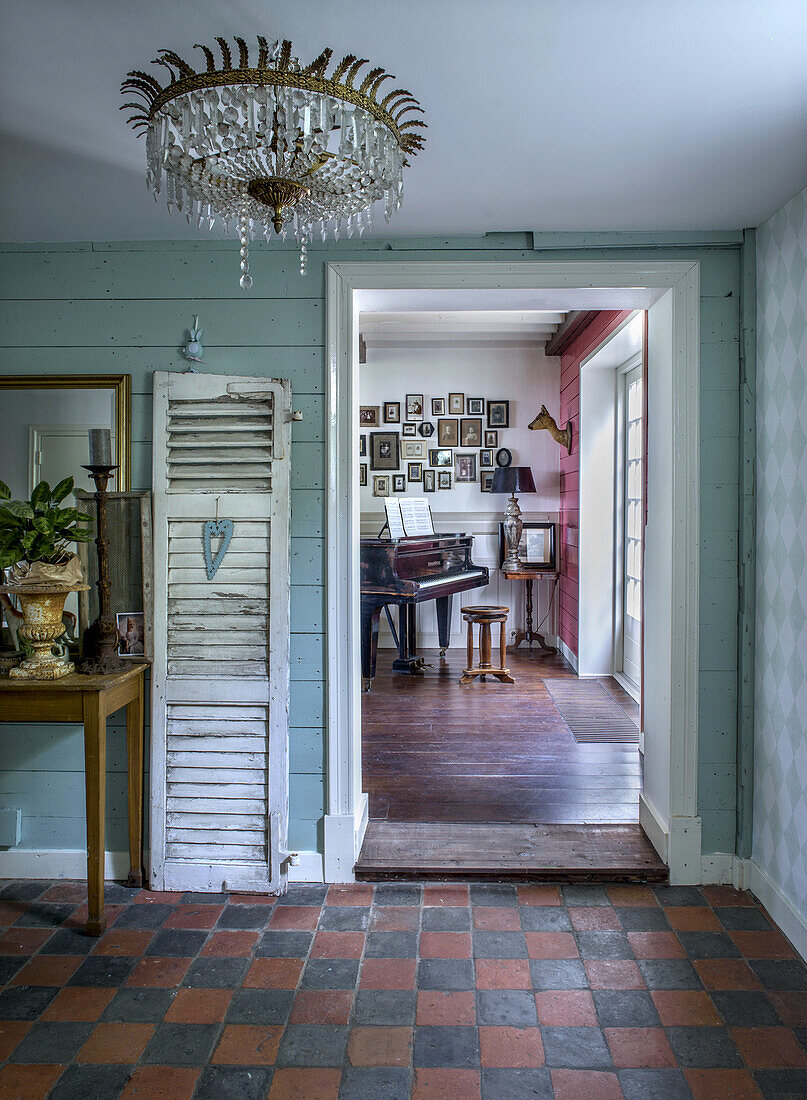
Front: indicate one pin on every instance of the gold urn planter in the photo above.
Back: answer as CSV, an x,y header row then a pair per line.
x,y
42,627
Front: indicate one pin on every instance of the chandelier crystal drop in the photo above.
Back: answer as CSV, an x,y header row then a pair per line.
x,y
278,147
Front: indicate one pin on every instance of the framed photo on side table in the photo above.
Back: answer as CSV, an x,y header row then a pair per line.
x,y
537,547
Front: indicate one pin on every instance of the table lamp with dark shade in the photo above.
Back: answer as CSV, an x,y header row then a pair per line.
x,y
512,479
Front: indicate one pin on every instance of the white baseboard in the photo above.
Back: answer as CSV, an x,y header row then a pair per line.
x,y
678,843
59,863
344,834
654,827
567,653
309,868
781,909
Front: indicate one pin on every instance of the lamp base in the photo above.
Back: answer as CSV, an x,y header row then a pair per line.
x,y
513,528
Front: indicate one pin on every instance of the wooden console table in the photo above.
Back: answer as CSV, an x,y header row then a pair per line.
x,y
528,634
90,700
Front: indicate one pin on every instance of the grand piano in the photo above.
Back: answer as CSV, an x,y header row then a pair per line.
x,y
406,572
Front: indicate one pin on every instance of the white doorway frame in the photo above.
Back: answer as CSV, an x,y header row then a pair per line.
x,y
668,814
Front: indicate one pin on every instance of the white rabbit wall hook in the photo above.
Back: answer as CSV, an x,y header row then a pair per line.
x,y
193,350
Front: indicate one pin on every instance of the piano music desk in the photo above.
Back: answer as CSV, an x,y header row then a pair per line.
x,y
528,634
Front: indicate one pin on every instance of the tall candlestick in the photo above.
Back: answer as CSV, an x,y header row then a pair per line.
x,y
100,641
100,447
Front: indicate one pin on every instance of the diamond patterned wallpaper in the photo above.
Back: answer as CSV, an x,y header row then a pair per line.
x,y
780,791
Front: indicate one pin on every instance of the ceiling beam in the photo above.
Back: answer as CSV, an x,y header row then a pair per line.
x,y
571,328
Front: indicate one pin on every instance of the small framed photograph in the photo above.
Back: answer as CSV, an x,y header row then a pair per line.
x,y
475,406
409,429
456,404
413,448
438,406
368,416
131,636
392,412
537,546
498,414
362,473
381,483
464,468
384,453
486,459
443,479
448,433
442,456
486,480
414,471
491,439
429,480
414,406
471,432
426,429
362,446
503,457
398,483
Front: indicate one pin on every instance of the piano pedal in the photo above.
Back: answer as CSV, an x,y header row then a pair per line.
x,y
366,684
442,652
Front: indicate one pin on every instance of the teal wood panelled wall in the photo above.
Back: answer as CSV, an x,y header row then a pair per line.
x,y
124,307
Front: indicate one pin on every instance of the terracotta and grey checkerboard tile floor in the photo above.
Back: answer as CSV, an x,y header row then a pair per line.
x,y
437,992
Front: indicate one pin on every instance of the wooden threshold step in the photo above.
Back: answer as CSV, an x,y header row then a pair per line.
x,y
605,853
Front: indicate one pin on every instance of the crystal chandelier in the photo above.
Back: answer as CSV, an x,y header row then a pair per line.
x,y
276,148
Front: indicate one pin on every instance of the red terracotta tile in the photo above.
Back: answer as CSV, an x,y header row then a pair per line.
x,y
116,1043
566,1008
551,945
161,1083
595,918
539,895
585,1084
337,945
631,896
387,974
492,919
639,1048
294,917
322,1006
726,974
763,945
66,891
156,970
502,974
395,918
446,894
23,941
656,945
12,1033
706,1084
768,1047
350,894
199,1006
380,1046
274,974
11,911
792,1007
446,1084
305,1084
692,918
76,1004
194,916
124,941
48,970
78,919
168,897
727,895
248,1045
685,1008
231,945
445,945
27,1082
253,899
511,1047
455,1009
614,974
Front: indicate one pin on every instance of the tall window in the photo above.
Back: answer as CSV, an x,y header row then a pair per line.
x,y
633,529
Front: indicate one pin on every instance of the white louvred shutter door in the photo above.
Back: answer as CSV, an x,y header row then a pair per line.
x,y
220,681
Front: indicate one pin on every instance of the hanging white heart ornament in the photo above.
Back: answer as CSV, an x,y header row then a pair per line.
x,y
213,529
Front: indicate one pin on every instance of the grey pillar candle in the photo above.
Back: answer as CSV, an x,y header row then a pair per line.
x,y
100,447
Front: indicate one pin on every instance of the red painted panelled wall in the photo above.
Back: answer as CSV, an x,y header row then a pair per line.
x,y
588,341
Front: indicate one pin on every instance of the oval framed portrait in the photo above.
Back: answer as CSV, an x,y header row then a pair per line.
x,y
503,457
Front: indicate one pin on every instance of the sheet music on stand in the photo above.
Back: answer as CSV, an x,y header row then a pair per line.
x,y
408,516
392,506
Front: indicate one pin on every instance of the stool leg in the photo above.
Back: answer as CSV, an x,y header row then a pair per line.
x,y
502,643
484,645
470,653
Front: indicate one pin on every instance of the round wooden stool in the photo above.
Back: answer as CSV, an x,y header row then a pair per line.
x,y
486,617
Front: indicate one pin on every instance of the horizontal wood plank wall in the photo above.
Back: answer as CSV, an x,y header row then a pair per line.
x,y
113,307
584,344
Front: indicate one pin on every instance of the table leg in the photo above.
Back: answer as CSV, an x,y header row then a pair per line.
x,y
95,792
529,612
134,751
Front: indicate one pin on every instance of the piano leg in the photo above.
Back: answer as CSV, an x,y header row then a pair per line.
x,y
407,660
369,643
443,608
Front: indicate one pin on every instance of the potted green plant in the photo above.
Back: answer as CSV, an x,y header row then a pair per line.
x,y
41,569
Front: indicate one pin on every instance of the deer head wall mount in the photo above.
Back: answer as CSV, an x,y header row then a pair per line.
x,y
563,436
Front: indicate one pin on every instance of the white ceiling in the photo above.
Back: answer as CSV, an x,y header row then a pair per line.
x,y
404,327
543,114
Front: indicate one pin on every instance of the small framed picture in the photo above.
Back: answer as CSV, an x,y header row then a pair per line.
x,y
414,471
442,456
456,404
131,637
381,483
384,453
498,414
491,438
443,479
503,457
409,429
362,446
471,432
362,473
475,406
392,412
438,406
486,480
398,483
414,406
368,416
537,546
448,433
486,459
464,468
413,448
429,478
426,429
